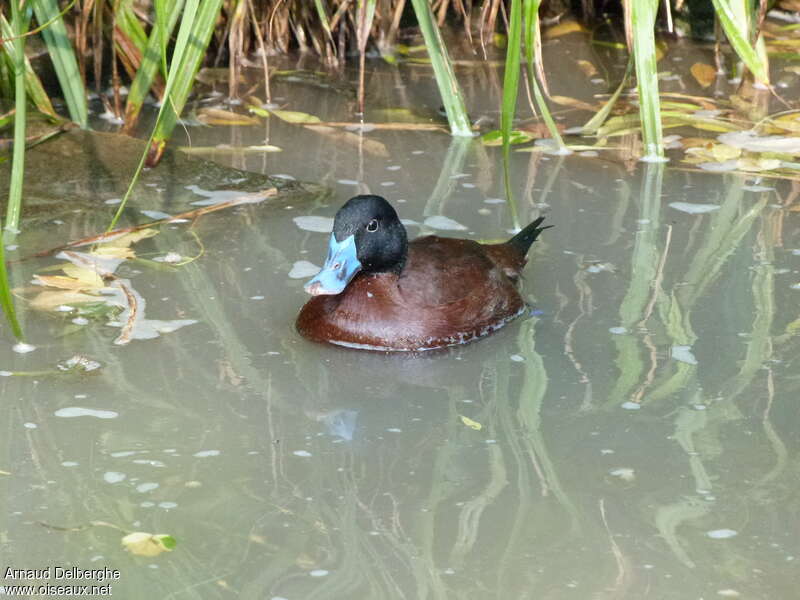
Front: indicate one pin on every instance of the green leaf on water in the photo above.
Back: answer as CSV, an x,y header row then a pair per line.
x,y
295,116
148,544
495,138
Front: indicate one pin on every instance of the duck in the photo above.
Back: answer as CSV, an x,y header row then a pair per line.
x,y
378,291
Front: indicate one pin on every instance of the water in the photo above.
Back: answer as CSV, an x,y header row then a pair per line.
x,y
637,430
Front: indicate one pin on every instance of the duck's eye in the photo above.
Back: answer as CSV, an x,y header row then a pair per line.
x,y
372,225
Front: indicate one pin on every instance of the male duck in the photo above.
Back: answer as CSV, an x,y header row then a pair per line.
x,y
376,291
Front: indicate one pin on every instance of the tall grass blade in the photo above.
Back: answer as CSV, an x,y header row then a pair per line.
x,y
593,124
33,84
735,21
510,92
60,50
127,21
533,56
449,88
366,13
6,301
19,25
640,20
154,56
197,25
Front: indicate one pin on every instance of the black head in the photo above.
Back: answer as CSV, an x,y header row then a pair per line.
x,y
380,238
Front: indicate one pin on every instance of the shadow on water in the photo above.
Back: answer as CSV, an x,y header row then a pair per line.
x,y
633,436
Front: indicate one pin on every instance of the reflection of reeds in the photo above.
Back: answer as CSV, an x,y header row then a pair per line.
x,y
644,266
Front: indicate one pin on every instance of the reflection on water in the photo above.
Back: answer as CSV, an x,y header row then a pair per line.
x,y
637,430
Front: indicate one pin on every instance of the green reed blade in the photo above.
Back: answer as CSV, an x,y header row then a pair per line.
x,y
127,22
19,25
153,58
6,300
733,16
510,92
449,88
188,55
197,26
60,50
533,56
323,17
33,84
642,17
594,124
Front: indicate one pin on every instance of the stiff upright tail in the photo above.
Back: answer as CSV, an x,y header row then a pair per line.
x,y
523,240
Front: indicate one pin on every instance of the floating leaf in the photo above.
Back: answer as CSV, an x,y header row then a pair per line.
x,y
370,146
126,239
217,116
257,110
114,252
723,152
60,281
294,116
747,140
789,122
470,423
704,74
573,103
89,278
495,138
758,164
587,68
50,300
563,28
148,544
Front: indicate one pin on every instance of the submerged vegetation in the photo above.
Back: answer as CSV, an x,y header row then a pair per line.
x,y
128,52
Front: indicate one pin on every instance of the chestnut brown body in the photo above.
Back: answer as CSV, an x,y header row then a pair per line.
x,y
449,291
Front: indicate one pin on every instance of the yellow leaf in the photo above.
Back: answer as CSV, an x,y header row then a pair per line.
x,y
293,116
126,239
60,281
148,544
790,122
563,28
52,299
758,164
704,74
89,278
793,327
470,423
723,152
114,252
588,68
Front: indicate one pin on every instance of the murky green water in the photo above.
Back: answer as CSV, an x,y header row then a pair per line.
x,y
639,429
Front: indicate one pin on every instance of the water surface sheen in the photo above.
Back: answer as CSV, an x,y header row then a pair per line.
x,y
638,435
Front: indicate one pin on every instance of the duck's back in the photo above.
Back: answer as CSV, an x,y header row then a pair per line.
x,y
449,292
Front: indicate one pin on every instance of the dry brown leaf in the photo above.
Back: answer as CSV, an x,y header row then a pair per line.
x,y
704,74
